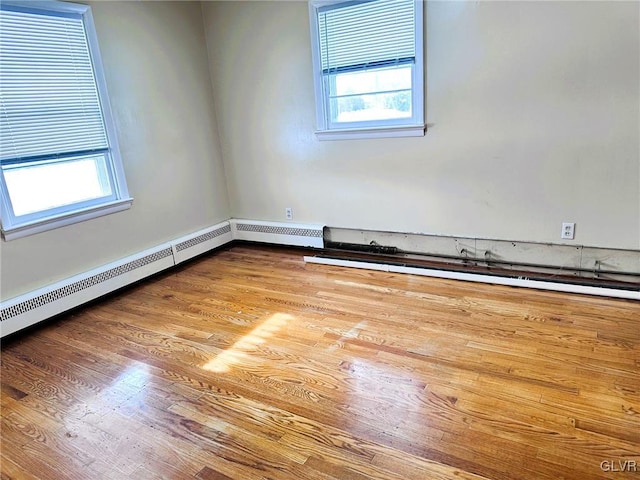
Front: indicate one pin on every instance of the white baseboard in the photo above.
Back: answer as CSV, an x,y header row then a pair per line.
x,y
474,277
297,234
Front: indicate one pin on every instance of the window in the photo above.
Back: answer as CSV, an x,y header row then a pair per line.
x,y
59,156
368,67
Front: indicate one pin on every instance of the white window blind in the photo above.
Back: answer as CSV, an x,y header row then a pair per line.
x,y
59,157
49,104
360,35
368,67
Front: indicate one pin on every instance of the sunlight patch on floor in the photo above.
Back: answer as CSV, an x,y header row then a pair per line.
x,y
238,351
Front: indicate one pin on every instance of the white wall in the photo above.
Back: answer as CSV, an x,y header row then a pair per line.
x,y
155,60
533,109
533,112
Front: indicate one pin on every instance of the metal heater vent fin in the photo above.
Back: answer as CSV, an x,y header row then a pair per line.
x,y
203,238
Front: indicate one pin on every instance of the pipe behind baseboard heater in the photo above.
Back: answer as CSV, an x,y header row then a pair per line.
x,y
394,256
357,247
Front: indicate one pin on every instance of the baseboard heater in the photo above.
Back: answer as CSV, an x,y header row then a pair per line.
x,y
26,310
294,234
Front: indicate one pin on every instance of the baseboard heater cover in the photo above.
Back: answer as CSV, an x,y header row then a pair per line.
x,y
28,309
296,234
200,242
480,278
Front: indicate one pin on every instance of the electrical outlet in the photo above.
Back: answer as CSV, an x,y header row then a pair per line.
x,y
288,213
568,230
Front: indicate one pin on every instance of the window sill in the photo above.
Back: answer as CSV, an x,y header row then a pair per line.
x,y
372,132
57,221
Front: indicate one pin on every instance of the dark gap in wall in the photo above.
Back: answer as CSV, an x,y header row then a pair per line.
x,y
502,269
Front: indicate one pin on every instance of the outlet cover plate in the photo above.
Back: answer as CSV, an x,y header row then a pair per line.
x,y
568,230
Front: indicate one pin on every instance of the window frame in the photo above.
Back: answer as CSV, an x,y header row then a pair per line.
x,y
409,127
20,226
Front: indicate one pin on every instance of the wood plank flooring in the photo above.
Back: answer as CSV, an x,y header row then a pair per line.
x,y
249,364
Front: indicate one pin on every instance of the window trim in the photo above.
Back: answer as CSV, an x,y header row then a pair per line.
x,y
373,129
12,228
69,218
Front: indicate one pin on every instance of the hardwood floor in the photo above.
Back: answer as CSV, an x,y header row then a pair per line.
x,y
249,364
